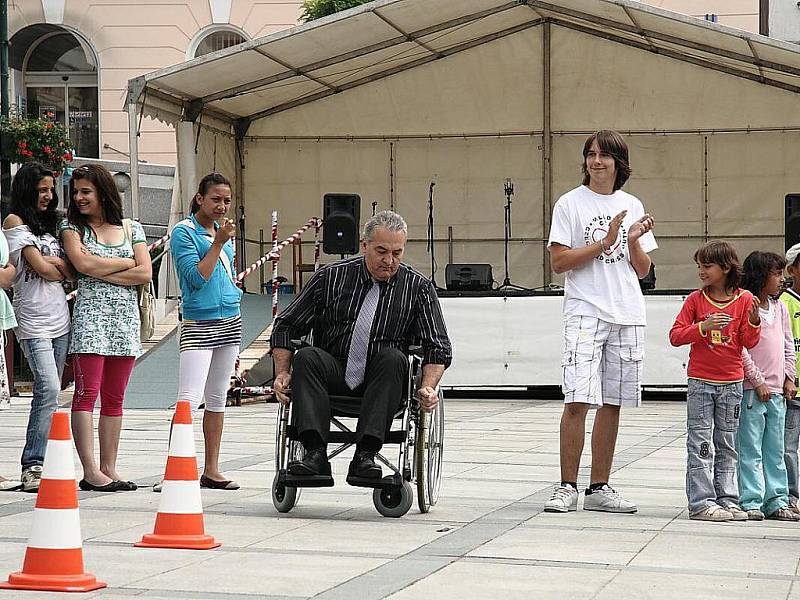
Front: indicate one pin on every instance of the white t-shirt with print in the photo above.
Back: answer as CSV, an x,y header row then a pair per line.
x,y
40,305
606,287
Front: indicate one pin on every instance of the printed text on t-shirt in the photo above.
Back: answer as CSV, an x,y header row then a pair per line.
x,y
597,229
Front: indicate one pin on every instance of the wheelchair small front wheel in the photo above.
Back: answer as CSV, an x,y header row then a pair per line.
x,y
284,498
393,501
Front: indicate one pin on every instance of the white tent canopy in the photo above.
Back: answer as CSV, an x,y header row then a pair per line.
x,y
382,98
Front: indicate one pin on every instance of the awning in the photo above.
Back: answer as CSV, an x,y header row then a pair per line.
x,y
328,56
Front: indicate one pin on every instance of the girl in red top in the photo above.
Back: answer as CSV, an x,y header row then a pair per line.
x,y
718,320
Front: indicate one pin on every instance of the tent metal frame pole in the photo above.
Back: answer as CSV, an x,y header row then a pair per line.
x,y
507,134
133,151
547,150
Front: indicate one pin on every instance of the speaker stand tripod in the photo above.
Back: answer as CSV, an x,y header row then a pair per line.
x,y
508,188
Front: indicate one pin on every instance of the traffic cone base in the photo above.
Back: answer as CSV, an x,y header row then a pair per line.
x,y
184,542
53,583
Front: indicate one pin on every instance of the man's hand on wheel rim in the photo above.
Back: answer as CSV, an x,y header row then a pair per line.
x,y
281,386
428,398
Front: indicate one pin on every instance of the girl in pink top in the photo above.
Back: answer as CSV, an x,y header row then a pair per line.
x,y
769,369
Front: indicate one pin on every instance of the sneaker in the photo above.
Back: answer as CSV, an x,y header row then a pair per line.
x,y
563,499
736,512
157,487
715,514
606,499
783,514
755,515
31,477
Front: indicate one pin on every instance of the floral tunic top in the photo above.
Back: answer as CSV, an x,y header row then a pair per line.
x,y
105,319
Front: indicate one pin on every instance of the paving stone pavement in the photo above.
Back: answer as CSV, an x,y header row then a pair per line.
x,y
487,537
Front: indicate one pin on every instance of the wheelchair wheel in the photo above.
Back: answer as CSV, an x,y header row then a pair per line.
x,y
284,498
428,456
393,501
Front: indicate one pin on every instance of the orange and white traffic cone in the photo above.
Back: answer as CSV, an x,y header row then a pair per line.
x,y
54,558
179,522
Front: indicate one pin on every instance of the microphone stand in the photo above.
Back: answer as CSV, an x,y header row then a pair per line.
x,y
508,188
430,246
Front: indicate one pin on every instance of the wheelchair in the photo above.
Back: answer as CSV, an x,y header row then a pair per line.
x,y
420,437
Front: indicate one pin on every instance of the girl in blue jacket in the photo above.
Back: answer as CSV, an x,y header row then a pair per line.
x,y
211,330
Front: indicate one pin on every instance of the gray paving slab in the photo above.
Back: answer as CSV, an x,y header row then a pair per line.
x,y
488,536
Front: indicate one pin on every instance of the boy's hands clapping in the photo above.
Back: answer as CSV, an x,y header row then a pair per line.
x,y
640,227
613,230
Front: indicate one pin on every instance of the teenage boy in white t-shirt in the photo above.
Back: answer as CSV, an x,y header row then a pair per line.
x,y
599,237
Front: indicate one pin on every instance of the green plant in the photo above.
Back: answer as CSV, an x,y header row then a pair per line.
x,y
41,140
315,9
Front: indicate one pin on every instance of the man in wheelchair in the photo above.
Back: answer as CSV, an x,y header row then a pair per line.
x,y
364,312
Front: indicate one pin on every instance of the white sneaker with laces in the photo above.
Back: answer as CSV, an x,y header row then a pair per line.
x,y
715,514
563,499
31,477
606,499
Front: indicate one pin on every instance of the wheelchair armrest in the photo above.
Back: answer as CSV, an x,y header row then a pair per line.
x,y
298,344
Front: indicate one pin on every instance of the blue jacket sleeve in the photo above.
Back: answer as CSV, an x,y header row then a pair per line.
x,y
186,258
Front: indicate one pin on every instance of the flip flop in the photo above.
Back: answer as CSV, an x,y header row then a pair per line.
x,y
207,482
10,485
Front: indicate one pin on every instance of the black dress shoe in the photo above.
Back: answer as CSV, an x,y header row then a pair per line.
x,y
111,486
363,466
314,463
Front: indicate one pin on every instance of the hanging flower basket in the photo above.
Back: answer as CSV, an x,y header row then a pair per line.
x,y
40,140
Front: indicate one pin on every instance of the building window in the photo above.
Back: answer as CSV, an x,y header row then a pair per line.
x,y
55,77
215,40
60,52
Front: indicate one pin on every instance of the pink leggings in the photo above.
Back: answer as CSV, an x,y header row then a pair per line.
x,y
107,375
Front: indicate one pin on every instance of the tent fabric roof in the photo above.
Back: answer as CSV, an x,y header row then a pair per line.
x,y
293,67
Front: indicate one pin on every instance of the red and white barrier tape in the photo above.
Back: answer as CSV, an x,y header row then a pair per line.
x,y
275,253
275,284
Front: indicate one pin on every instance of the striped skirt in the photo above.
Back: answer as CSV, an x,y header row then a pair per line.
x,y
205,335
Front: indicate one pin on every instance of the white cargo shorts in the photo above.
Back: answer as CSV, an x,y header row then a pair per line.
x,y
602,362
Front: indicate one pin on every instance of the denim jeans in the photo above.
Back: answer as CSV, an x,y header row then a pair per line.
x,y
712,419
790,442
46,358
762,472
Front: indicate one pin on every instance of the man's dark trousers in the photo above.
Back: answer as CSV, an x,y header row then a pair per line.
x,y
316,375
